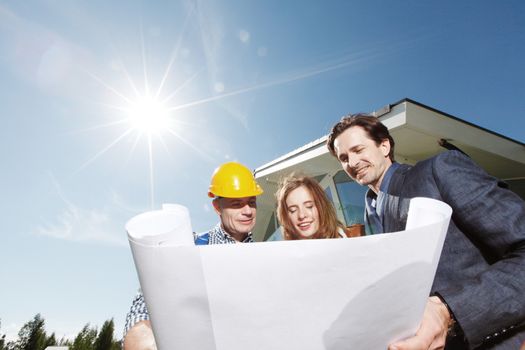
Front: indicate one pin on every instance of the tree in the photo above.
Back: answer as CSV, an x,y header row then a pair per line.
x,y
10,346
65,342
105,337
2,338
50,341
32,336
85,340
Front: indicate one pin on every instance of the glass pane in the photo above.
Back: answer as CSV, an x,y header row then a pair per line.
x,y
352,198
328,193
270,229
277,235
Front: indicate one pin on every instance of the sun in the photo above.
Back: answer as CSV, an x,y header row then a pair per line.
x,y
148,115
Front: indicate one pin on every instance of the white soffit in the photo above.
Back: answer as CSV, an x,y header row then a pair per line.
x,y
417,140
416,131
456,131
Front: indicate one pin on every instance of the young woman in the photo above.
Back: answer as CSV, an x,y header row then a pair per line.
x,y
305,212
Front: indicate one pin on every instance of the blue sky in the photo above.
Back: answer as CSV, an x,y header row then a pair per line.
x,y
243,80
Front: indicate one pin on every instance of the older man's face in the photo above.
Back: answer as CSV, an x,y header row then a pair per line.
x,y
237,214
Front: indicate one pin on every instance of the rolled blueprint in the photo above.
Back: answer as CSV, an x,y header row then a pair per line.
x,y
426,211
162,242
169,226
324,294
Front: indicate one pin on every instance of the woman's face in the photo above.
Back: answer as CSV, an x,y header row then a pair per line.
x,y
302,212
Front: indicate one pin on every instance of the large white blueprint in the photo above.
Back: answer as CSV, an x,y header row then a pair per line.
x,y
359,293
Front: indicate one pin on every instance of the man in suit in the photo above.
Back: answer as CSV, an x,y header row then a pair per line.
x,y
478,295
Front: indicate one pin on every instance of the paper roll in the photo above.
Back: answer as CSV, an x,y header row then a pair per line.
x,y
169,226
426,211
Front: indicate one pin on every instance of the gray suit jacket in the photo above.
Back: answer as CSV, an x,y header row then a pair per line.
x,y
481,273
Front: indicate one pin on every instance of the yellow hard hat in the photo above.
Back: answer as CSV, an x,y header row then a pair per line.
x,y
233,180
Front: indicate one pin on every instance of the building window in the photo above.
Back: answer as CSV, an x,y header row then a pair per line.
x,y
351,198
273,230
328,193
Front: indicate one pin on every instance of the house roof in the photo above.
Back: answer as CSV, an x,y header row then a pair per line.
x,y
416,129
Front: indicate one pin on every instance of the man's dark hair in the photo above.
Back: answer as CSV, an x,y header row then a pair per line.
x,y
372,126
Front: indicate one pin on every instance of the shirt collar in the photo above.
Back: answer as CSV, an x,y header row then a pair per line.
x,y
225,237
388,176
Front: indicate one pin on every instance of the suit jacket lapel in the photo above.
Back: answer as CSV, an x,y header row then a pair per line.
x,y
395,206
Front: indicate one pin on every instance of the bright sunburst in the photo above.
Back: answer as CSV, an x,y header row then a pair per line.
x,y
148,116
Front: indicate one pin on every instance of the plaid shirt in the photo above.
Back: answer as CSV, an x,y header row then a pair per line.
x,y
219,236
138,311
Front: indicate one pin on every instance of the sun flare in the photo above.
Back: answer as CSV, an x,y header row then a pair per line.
x,y
149,116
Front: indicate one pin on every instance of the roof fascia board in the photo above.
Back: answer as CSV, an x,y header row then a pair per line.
x,y
396,118
410,101
300,155
432,122
393,119
451,126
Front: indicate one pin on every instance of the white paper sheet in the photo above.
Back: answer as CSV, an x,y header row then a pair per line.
x,y
359,293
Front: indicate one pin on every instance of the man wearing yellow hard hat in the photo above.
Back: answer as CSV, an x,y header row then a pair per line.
x,y
234,190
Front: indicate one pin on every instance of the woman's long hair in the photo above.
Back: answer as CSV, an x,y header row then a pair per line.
x,y
328,223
